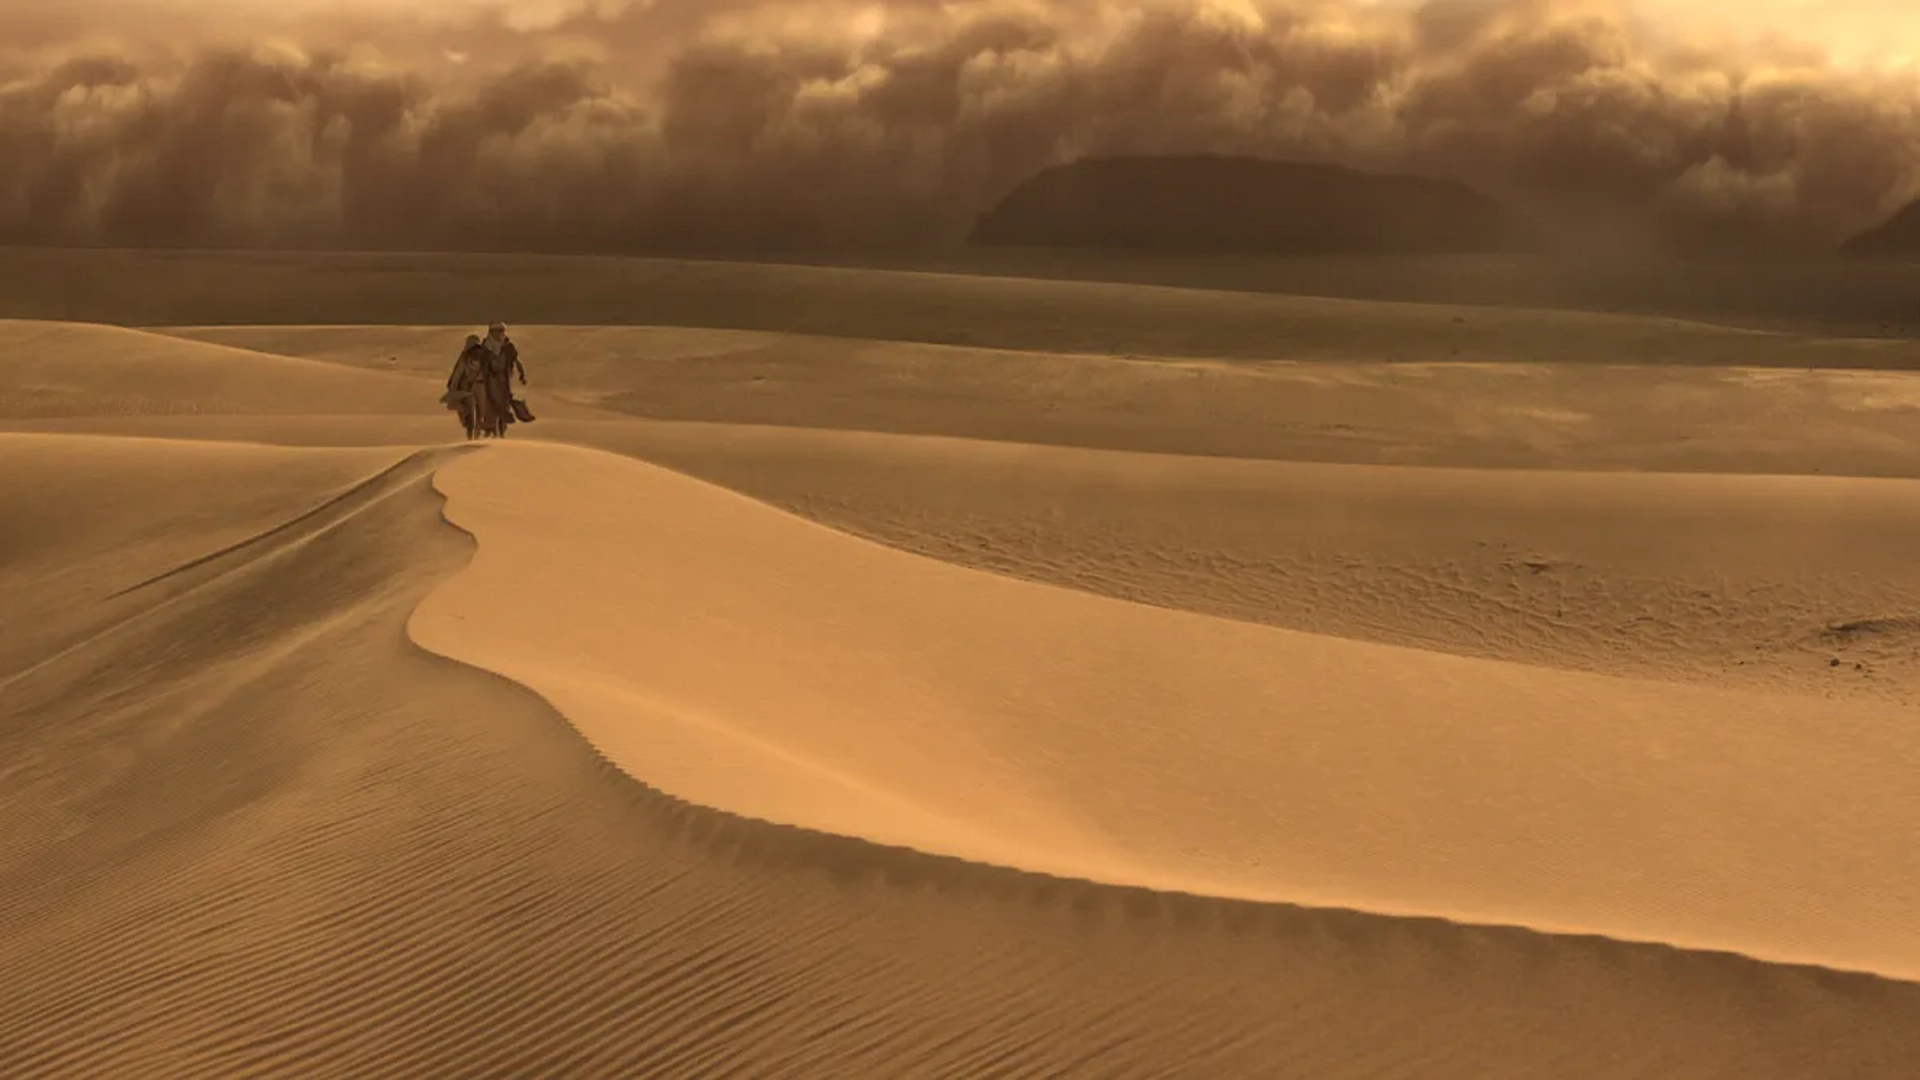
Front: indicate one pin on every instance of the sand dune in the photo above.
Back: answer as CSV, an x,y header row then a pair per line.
x,y
1757,582
1102,318
1617,407
1794,583
1797,584
65,548
253,828
68,369
87,372
744,660
259,833
1034,299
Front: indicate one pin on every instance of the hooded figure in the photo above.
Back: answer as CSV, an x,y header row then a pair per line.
x,y
502,364
466,389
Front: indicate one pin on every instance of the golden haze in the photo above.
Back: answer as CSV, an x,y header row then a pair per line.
x,y
748,123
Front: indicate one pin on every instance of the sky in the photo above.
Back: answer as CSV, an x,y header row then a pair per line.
x,y
1855,32
796,123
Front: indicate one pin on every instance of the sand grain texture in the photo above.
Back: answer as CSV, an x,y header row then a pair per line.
x,y
738,658
1003,736
264,834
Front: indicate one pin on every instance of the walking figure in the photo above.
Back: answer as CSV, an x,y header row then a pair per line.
x,y
467,389
503,363
480,387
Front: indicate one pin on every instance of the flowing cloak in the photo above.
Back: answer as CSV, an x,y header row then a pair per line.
x,y
466,387
500,368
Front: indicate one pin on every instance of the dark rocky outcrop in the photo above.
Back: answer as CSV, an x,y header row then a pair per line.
x,y
1898,235
1214,203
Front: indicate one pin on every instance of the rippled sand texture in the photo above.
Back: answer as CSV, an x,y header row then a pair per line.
x,y
689,746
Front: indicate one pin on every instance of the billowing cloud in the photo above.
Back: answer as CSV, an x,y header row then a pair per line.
x,y
789,124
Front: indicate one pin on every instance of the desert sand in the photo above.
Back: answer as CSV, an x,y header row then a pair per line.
x,y
879,704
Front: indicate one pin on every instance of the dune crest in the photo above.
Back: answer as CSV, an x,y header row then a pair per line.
x,y
251,830
61,369
735,656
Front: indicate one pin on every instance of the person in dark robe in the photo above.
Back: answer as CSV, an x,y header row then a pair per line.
x,y
467,389
502,364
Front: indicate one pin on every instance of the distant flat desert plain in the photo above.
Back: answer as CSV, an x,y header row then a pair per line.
x,y
1312,668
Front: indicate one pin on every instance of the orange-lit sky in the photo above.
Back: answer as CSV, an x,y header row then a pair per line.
x,y
1877,35
1849,29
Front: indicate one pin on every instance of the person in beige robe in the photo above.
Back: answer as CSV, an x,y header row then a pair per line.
x,y
502,359
467,390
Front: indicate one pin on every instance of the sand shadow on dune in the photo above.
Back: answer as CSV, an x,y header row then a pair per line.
x,y
759,841
323,516
855,862
120,608
332,851
1382,958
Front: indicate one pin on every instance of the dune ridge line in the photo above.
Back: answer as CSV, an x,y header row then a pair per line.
x,y
424,870
638,627
260,828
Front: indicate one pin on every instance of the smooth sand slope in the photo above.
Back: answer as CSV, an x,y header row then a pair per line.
x,y
1775,583
78,371
1778,583
258,832
736,657
71,369
265,832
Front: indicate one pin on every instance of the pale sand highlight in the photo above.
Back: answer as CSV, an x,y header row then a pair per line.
x,y
252,829
263,835
738,658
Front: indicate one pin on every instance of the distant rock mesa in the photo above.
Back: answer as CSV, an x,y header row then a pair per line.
x,y
1898,235
1216,203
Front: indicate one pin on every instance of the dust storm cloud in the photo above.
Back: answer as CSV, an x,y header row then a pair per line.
x,y
742,124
